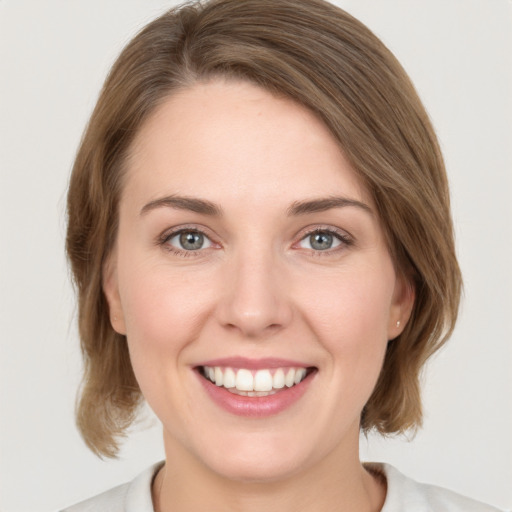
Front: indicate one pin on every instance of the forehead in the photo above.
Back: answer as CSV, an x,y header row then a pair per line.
x,y
234,139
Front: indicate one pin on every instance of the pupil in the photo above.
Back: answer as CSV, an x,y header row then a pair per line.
x,y
191,241
321,241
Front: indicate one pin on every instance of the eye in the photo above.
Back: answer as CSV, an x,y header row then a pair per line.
x,y
189,240
322,240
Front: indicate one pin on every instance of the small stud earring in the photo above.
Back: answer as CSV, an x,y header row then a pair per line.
x,y
398,323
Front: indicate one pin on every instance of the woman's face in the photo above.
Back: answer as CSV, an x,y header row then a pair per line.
x,y
250,257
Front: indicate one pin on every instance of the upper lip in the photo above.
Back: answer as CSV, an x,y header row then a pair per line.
x,y
254,364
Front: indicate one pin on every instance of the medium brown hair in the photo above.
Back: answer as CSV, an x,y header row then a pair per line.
x,y
322,58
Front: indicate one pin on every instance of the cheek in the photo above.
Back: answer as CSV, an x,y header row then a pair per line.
x,y
352,301
163,317
350,315
159,302
165,310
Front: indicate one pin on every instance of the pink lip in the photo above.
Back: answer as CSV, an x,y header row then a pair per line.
x,y
254,407
254,364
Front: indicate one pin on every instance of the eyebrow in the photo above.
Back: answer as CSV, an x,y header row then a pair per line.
x,y
193,204
324,204
204,207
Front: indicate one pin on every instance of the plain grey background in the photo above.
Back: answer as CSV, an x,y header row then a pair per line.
x,y
54,56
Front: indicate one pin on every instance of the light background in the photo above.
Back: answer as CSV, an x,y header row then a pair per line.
x,y
53,58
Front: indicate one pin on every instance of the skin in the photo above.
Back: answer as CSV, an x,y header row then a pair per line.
x,y
256,289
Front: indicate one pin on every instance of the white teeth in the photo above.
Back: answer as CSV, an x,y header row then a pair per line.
x,y
254,383
263,381
229,378
218,376
252,393
289,380
299,375
244,380
278,380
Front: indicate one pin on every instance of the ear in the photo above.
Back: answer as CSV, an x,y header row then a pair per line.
x,y
401,307
110,285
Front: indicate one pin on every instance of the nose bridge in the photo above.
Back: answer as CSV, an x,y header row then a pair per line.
x,y
255,300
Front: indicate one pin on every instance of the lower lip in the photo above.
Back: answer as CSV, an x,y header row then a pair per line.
x,y
257,406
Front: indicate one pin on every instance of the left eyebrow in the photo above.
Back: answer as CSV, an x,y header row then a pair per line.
x,y
324,204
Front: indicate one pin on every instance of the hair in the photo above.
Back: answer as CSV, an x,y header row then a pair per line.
x,y
322,58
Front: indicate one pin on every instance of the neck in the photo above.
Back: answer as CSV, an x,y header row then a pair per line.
x,y
337,482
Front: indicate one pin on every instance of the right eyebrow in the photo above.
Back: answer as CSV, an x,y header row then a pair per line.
x,y
193,204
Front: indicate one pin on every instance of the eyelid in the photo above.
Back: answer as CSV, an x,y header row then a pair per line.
x,y
343,236
163,239
178,234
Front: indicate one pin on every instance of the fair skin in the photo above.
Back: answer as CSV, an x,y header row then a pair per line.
x,y
246,236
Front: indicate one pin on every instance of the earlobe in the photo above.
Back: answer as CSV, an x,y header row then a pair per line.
x,y
401,309
110,285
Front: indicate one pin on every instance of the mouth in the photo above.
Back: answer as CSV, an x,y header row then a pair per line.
x,y
255,383
255,389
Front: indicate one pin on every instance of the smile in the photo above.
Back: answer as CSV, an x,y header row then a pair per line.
x,y
254,383
255,388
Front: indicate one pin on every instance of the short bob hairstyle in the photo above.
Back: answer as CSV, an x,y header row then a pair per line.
x,y
322,58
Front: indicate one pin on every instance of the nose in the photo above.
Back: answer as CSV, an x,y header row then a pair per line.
x,y
254,301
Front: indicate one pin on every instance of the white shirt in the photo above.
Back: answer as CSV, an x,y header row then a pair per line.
x,y
403,495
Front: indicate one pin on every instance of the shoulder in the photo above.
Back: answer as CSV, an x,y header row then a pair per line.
x,y
112,500
405,494
134,496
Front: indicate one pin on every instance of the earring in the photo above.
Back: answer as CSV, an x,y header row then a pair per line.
x,y
398,323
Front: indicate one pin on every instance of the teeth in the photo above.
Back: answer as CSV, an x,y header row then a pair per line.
x,y
244,380
299,375
278,380
263,380
259,383
229,378
252,393
218,376
289,380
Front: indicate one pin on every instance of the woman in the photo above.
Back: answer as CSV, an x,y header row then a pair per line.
x,y
260,234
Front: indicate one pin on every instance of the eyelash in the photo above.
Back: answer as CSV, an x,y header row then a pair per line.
x,y
164,239
344,239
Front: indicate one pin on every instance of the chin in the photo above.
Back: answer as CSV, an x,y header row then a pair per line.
x,y
255,458
254,470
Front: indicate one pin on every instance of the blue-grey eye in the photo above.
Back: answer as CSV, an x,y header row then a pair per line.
x,y
320,241
190,241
